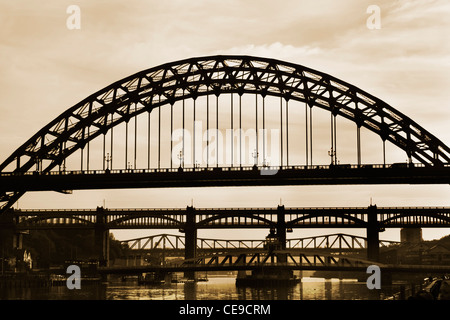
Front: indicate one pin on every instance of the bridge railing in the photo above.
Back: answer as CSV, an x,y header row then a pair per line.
x,y
229,244
57,171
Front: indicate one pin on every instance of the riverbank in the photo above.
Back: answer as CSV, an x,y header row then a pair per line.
x,y
39,280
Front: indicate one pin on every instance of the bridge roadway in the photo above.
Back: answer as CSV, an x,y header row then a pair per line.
x,y
174,245
429,269
225,176
278,259
188,220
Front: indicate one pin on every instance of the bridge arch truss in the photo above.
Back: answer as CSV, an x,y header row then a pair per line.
x,y
149,90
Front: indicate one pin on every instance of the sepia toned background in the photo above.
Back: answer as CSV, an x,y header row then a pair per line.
x,y
46,67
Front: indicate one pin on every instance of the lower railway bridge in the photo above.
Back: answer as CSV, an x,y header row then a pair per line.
x,y
168,246
278,221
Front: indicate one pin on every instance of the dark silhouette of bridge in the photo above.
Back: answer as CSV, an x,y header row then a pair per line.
x,y
156,249
174,245
158,128
189,220
272,261
156,92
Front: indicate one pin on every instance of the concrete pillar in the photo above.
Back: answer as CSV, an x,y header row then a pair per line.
x,y
373,238
18,240
412,235
101,238
281,233
190,246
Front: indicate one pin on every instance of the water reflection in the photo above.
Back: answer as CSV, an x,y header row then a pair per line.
x,y
217,288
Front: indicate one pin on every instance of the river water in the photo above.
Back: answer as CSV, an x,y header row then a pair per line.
x,y
216,288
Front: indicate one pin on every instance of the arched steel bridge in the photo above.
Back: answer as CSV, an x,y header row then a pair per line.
x,y
211,218
170,242
47,161
274,260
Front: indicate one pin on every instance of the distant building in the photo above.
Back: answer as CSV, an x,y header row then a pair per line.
x,y
411,235
28,261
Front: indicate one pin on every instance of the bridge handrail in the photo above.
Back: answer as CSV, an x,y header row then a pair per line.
x,y
27,211
317,257
57,171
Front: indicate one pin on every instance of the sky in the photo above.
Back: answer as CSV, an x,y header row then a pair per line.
x,y
46,67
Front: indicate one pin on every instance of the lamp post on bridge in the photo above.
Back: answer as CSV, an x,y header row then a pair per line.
x,y
101,238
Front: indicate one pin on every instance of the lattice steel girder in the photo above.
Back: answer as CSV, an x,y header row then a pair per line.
x,y
13,185
266,259
346,265
214,75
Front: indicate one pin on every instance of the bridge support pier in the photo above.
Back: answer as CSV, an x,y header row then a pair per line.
x,y
373,238
281,233
101,238
190,246
10,240
6,237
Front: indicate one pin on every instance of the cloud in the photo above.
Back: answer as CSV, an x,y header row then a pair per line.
x,y
47,68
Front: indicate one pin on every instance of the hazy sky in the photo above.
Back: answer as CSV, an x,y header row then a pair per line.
x,y
46,68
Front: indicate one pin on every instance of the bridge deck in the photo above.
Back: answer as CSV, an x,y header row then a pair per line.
x,y
210,218
227,176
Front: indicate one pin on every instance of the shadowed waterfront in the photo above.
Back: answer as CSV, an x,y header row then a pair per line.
x,y
216,288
